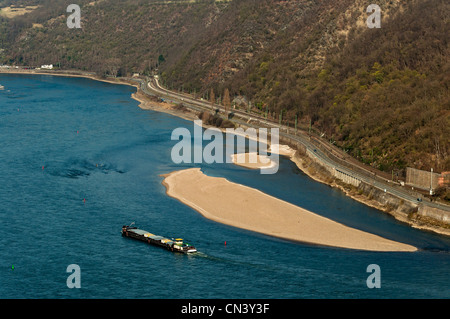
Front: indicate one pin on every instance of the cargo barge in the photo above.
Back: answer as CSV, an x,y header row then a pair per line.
x,y
174,245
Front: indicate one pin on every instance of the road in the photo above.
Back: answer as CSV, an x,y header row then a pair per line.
x,y
152,87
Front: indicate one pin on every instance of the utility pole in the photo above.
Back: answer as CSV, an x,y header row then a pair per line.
x,y
431,182
296,123
212,99
226,101
310,124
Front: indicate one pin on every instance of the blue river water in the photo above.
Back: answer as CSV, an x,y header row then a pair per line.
x,y
79,159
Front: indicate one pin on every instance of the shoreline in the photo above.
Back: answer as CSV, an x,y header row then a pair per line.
x,y
303,162
256,211
75,74
146,103
304,166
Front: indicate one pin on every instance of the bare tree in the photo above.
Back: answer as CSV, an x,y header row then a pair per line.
x,y
226,101
112,66
212,99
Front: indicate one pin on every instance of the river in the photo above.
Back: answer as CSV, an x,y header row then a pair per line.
x,y
80,159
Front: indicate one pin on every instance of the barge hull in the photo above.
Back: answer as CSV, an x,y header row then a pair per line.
x,y
142,235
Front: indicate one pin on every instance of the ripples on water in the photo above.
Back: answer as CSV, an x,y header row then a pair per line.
x,y
79,159
75,168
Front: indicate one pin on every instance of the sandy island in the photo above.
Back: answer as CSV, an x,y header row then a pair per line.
x,y
253,160
240,206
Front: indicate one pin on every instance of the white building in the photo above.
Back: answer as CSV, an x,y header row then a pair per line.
x,y
47,66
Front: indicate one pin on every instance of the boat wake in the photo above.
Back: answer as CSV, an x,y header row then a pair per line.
x,y
223,260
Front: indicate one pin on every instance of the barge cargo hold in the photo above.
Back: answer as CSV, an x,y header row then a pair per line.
x,y
175,245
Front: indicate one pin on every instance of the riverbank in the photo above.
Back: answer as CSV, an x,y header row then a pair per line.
x,y
409,213
240,206
154,104
74,74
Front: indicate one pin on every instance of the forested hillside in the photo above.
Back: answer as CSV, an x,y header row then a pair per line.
x,y
380,94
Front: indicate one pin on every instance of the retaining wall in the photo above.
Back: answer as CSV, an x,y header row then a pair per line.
x,y
422,179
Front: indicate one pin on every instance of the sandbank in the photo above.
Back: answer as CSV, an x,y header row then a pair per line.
x,y
252,160
240,206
